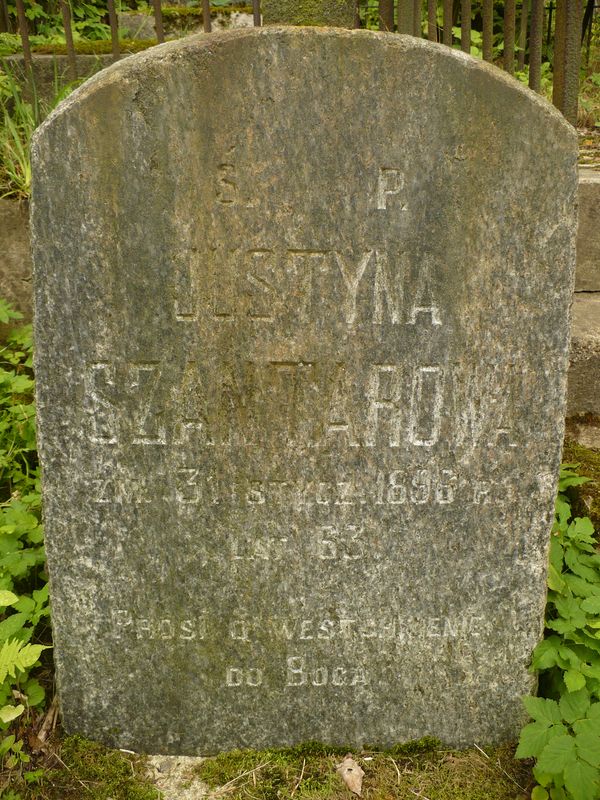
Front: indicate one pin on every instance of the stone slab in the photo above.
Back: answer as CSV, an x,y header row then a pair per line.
x,y
587,278
584,369
15,255
300,432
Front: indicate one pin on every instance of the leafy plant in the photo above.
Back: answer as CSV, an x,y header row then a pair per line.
x,y
564,737
23,582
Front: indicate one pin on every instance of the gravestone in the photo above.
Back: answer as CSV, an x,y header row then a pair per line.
x,y
302,330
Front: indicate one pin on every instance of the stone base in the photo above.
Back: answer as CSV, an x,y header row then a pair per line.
x,y
587,278
584,371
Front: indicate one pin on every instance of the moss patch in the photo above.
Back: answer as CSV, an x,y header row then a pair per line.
x,y
424,769
83,769
586,501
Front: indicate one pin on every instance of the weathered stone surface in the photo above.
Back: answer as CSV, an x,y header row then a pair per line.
x,y
338,13
301,366
587,278
15,256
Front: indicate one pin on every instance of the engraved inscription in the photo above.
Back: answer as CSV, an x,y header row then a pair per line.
x,y
226,189
165,628
99,402
390,183
377,286
301,672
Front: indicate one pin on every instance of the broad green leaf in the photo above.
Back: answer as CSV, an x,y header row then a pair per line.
x,y
534,737
591,605
586,726
6,744
570,608
555,581
594,711
581,587
35,692
8,713
570,656
581,780
542,778
12,624
574,705
556,554
559,752
572,480
574,680
8,598
588,747
578,566
561,625
543,710
25,604
544,655
582,529
539,793
563,512
558,793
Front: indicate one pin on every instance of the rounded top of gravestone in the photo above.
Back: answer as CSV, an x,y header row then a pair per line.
x,y
355,56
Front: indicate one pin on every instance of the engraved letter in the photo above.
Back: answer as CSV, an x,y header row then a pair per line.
x,y
233,676
295,672
382,399
148,427
425,406
390,182
351,281
423,301
384,287
99,385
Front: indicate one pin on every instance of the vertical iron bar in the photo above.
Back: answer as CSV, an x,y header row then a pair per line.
x,y
558,60
488,29
572,59
549,34
24,31
405,16
386,15
510,12
465,26
536,35
256,12
206,16
523,35
158,21
448,8
4,20
432,20
114,29
588,44
66,18
417,10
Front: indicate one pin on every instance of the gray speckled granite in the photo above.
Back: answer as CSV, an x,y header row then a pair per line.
x,y
302,330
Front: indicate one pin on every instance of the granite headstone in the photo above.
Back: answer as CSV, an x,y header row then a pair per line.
x,y
302,303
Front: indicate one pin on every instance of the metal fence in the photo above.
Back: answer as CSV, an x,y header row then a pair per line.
x,y
553,32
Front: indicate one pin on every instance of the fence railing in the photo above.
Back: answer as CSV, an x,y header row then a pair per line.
x,y
562,23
